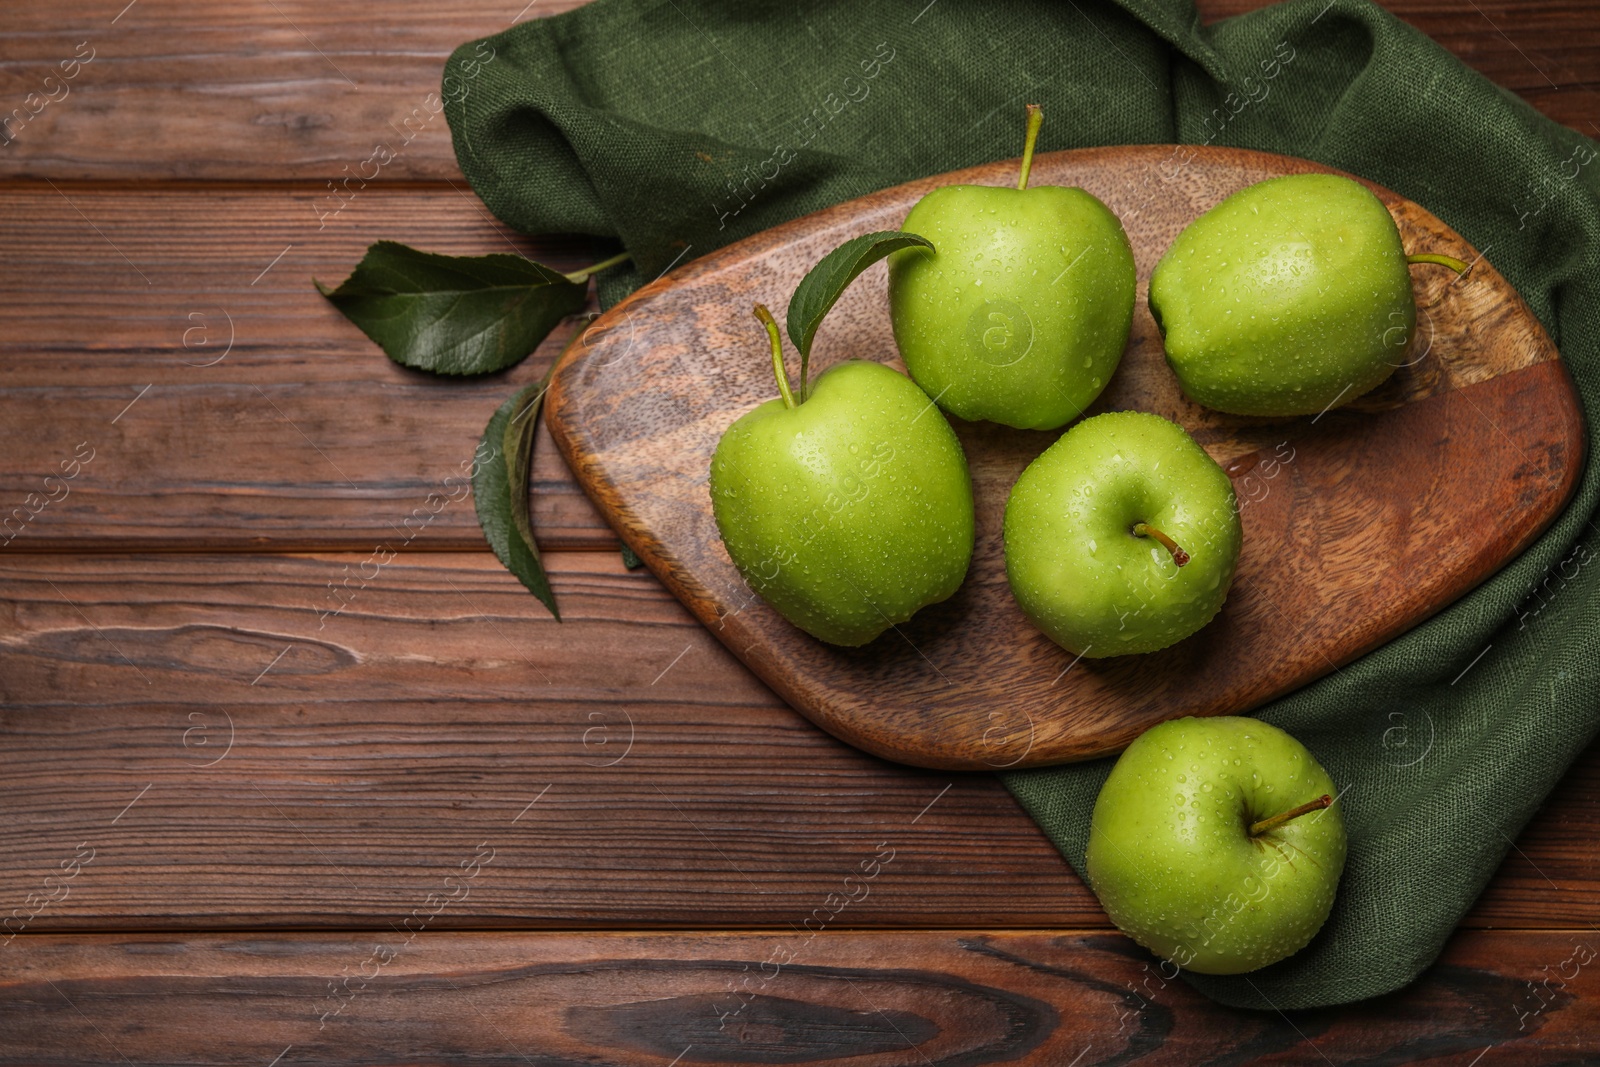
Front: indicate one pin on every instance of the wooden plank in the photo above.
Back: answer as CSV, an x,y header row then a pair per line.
x,y
967,997
234,90
175,336
298,90
374,749
371,754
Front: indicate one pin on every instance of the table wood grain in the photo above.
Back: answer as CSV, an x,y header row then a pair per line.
x,y
260,755
235,759
1060,998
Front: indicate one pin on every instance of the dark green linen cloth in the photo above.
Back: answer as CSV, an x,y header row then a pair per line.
x,y
676,126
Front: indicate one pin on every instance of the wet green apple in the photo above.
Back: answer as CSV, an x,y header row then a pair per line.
x,y
849,508
1122,537
1217,844
1021,315
1289,297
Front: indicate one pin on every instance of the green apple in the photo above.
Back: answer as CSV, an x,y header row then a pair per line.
x,y
1288,298
1217,844
1021,315
848,508
1121,537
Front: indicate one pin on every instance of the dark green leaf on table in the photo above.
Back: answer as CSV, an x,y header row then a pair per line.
x,y
503,510
455,314
517,447
630,559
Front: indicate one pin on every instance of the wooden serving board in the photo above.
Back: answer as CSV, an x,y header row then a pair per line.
x,y
1359,523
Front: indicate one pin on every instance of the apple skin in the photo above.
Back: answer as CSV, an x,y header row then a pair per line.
x,y
850,511
1289,296
1076,568
1021,315
1171,858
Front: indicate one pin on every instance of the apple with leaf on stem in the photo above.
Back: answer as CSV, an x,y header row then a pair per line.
x,y
845,504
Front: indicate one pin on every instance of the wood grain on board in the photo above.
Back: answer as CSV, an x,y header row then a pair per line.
x,y
311,769
1476,441
968,997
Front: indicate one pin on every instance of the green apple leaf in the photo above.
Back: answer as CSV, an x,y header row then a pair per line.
x,y
820,289
507,446
517,447
456,314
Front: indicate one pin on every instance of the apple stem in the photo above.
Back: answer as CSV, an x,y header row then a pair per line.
x,y
1444,261
578,277
764,317
1144,529
1269,824
1035,119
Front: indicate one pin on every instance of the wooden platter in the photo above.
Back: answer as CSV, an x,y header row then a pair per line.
x,y
1359,523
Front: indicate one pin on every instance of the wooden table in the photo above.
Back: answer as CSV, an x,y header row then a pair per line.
x,y
274,795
